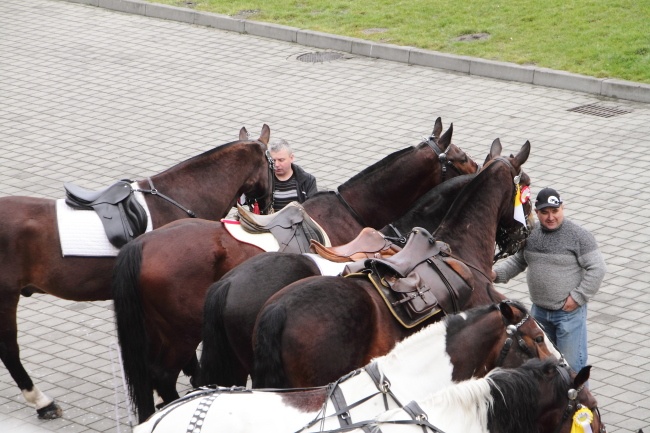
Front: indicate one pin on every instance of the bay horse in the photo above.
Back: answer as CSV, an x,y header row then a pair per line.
x,y
233,302
318,328
31,261
160,279
434,359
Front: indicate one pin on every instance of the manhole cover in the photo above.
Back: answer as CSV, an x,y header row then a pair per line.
x,y
319,57
600,110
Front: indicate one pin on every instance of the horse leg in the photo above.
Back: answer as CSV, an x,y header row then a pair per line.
x,y
10,355
191,369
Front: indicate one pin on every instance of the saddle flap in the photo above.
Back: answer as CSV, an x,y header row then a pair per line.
x,y
368,244
419,247
291,214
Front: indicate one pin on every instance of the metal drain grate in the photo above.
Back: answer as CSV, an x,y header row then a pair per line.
x,y
600,110
319,57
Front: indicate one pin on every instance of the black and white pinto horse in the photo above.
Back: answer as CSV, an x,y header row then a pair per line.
x,y
429,360
541,396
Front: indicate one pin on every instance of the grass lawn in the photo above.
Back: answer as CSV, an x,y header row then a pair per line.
x,y
601,38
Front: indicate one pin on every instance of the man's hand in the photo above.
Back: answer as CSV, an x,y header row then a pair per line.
x,y
570,304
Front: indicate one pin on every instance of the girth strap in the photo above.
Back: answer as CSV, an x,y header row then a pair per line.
x,y
338,400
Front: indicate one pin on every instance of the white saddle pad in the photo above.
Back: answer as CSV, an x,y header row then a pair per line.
x,y
264,241
327,268
82,232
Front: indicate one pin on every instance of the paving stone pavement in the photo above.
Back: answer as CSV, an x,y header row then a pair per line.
x,y
91,96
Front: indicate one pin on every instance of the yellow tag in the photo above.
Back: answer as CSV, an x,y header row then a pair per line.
x,y
582,421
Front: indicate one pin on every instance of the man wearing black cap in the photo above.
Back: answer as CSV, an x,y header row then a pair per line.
x,y
565,270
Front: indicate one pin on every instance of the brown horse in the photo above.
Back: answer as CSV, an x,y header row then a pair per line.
x,y
233,303
30,249
160,279
316,329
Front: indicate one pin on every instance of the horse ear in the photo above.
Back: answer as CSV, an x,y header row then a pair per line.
x,y
243,134
266,134
437,128
495,150
445,140
523,154
582,377
507,311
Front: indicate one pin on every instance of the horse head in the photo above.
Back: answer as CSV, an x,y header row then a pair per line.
x,y
542,395
516,219
259,186
450,155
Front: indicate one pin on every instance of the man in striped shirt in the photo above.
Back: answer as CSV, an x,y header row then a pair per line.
x,y
292,183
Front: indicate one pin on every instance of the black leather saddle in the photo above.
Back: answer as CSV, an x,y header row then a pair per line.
x,y
123,217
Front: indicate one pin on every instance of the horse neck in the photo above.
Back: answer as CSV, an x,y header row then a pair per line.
x,y
332,215
429,210
385,191
208,184
417,362
470,225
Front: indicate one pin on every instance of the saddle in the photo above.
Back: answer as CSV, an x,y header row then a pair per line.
x,y
123,217
291,226
368,244
420,281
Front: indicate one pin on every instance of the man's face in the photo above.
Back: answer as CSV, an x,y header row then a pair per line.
x,y
550,217
282,161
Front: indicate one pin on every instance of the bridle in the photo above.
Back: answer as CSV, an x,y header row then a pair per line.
x,y
513,334
573,405
510,240
442,156
250,201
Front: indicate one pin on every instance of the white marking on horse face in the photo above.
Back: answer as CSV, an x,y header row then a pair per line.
x,y
36,398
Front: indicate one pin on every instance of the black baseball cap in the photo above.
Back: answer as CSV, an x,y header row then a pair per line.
x,y
548,197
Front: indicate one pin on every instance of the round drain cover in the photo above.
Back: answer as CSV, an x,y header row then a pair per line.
x,y
319,57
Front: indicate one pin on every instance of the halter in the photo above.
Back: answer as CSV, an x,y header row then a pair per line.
x,y
511,240
250,201
513,332
572,395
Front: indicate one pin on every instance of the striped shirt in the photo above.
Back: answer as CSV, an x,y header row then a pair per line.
x,y
285,192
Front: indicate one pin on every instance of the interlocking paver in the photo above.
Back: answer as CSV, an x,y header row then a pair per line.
x,y
91,95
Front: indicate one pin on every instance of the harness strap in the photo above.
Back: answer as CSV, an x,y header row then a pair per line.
x,y
504,351
155,192
383,387
349,208
338,400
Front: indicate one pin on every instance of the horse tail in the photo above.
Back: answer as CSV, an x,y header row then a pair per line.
x,y
268,368
131,332
216,365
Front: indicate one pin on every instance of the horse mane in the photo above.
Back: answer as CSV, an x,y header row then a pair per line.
x,y
455,322
516,391
378,166
205,155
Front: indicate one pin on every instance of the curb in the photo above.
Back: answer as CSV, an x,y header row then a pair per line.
x,y
606,87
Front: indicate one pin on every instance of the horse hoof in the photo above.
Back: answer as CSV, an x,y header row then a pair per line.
x,y
51,411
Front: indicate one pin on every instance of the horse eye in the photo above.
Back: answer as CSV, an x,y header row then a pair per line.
x,y
539,339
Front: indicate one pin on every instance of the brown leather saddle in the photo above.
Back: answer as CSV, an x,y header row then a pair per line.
x,y
291,226
368,244
420,281
123,217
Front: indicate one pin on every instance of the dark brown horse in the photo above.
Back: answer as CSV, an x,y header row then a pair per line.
x,y
161,278
30,249
316,329
233,303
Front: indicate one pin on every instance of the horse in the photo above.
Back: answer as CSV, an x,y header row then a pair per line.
x,y
316,329
433,359
31,260
233,302
158,291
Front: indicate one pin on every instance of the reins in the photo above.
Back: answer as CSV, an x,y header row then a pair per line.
x,y
153,191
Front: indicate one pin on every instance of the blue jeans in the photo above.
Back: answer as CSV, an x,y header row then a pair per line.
x,y
567,330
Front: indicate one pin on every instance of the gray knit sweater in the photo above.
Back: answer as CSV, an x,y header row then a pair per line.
x,y
562,262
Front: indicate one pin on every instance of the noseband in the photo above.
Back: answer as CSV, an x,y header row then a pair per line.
x,y
513,333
